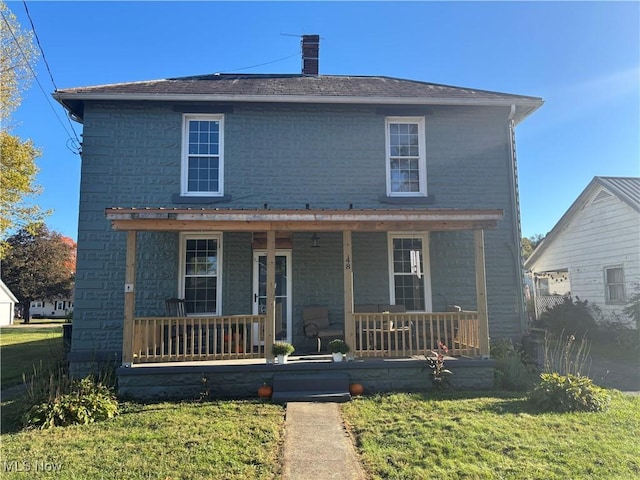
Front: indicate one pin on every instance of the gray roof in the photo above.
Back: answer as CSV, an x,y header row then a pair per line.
x,y
297,89
627,189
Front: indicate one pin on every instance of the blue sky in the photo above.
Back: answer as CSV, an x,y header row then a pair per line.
x,y
582,58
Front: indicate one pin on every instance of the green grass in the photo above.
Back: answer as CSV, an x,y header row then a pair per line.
x,y
498,436
23,347
43,321
221,440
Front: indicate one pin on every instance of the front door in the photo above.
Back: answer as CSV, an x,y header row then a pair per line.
x,y
283,290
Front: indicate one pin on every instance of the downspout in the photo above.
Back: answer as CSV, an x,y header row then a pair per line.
x,y
516,245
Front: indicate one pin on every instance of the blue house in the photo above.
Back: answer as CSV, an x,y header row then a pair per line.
x,y
219,213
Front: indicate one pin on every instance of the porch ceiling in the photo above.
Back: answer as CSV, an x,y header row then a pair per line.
x,y
165,219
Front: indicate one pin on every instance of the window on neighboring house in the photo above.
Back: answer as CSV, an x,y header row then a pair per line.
x,y
59,305
543,286
614,285
202,162
200,269
409,272
406,160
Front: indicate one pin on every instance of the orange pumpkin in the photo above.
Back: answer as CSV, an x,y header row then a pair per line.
x,y
356,389
265,391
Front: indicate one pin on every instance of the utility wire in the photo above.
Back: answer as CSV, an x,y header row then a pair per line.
x,y
75,140
46,63
262,64
33,28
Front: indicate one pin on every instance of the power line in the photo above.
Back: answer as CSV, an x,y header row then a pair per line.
x,y
73,138
262,64
33,28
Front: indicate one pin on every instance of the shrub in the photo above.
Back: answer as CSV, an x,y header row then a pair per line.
x,y
512,371
88,401
620,332
632,308
573,318
569,393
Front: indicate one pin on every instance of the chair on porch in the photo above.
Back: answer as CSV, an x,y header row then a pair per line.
x,y
378,332
174,307
316,325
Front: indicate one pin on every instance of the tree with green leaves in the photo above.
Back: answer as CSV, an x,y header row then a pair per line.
x,y
18,57
38,266
529,244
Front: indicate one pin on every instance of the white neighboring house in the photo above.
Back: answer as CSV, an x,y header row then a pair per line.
x,y
51,308
593,252
8,302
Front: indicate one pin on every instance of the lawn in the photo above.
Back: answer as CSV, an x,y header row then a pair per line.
x,y
23,347
492,436
450,435
221,440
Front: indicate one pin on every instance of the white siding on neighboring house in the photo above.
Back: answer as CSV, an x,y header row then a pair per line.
x,y
603,232
7,304
51,309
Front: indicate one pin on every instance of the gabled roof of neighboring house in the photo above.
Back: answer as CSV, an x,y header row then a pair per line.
x,y
296,88
10,294
627,189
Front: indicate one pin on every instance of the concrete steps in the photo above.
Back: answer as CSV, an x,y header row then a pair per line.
x,y
325,387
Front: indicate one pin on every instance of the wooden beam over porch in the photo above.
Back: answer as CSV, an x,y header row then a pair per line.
x,y
160,219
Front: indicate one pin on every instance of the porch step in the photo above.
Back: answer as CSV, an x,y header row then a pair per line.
x,y
324,387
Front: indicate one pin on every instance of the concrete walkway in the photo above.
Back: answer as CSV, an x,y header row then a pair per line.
x,y
317,446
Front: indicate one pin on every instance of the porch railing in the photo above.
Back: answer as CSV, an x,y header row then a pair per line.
x,y
406,334
171,339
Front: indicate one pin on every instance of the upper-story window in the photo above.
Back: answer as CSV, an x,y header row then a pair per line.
x,y
202,157
406,160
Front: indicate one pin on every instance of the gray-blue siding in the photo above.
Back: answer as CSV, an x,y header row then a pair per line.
x,y
287,157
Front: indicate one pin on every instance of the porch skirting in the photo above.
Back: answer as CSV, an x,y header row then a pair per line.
x,y
189,381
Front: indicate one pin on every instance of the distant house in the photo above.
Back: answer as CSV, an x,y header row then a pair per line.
x,y
58,308
252,197
593,252
8,302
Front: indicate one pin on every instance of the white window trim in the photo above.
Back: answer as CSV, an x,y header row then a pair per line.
x,y
184,236
426,261
607,300
184,181
422,158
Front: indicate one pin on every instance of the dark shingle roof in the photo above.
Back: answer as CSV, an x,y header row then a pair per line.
x,y
296,88
331,85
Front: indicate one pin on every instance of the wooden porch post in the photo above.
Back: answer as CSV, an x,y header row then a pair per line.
x,y
129,299
481,293
270,324
349,325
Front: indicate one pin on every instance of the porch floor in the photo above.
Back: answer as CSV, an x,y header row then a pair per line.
x,y
312,359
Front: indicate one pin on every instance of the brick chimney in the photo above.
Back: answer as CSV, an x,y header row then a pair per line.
x,y
310,55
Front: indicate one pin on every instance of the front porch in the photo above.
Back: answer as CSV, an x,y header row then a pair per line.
x,y
247,338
